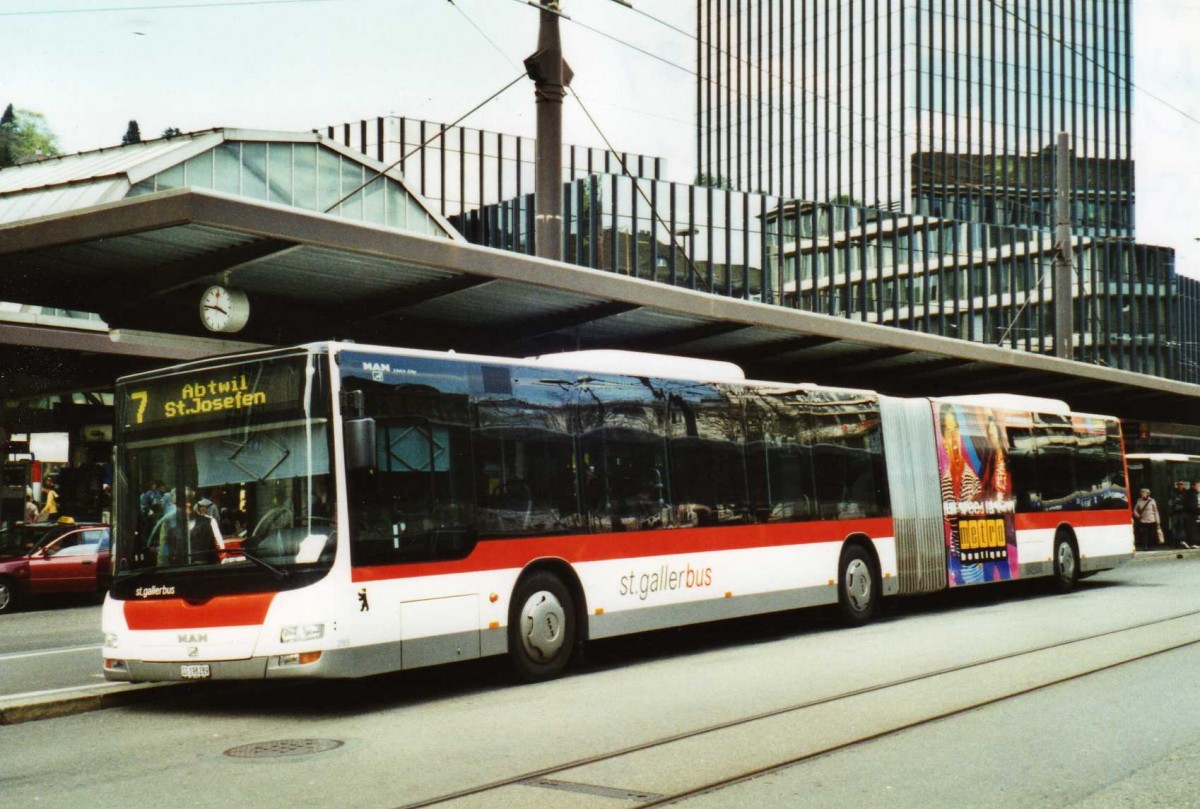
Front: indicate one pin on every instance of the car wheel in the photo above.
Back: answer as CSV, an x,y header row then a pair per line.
x,y
8,594
541,627
858,586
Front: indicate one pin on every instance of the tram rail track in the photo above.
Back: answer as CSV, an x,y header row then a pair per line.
x,y
1029,670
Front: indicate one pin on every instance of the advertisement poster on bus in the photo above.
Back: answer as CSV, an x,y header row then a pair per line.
x,y
977,494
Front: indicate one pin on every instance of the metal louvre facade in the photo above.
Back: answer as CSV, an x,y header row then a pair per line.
x,y
939,107
462,169
953,278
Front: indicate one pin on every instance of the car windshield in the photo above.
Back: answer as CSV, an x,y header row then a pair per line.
x,y
19,538
221,490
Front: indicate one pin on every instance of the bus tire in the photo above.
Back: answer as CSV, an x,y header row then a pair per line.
x,y
541,627
8,594
858,585
1066,563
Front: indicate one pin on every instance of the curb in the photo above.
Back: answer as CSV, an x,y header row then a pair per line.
x,y
1165,553
82,700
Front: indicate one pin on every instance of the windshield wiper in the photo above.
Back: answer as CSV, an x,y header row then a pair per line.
x,y
279,572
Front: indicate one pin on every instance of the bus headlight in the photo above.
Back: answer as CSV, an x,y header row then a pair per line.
x,y
303,632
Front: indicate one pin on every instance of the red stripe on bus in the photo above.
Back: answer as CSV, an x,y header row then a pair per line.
x,y
501,554
174,613
1078,519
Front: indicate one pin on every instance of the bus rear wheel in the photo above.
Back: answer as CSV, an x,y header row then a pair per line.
x,y
858,586
1066,564
541,627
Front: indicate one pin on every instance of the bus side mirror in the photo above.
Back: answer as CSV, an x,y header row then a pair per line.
x,y
360,444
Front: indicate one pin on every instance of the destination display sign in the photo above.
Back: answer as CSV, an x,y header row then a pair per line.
x,y
216,393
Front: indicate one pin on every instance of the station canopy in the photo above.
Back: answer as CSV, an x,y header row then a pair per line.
x,y
137,234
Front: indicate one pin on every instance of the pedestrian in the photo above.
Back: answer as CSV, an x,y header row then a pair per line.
x,y
31,509
1191,513
1177,513
49,511
1147,530
204,534
151,502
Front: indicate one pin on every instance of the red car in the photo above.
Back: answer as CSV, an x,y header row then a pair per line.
x,y
50,558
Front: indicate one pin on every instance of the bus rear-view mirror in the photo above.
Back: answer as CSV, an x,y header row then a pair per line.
x,y
360,444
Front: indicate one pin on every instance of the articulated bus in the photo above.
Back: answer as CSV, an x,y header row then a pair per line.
x,y
339,510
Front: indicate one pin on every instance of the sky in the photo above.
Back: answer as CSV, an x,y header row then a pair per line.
x,y
90,67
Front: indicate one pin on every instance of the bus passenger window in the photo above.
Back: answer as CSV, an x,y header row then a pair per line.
x,y
417,503
779,457
524,452
707,444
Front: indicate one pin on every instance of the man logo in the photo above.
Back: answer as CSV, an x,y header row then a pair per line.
x,y
193,637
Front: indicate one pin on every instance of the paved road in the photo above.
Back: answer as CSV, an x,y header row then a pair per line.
x,y
1118,738
55,646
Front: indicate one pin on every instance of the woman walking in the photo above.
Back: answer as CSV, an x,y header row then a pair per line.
x,y
1146,522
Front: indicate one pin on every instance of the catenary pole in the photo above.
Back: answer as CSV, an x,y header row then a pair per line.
x,y
551,77
1064,265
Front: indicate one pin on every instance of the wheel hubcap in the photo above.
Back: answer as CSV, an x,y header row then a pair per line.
x,y
543,622
1066,560
5,596
858,584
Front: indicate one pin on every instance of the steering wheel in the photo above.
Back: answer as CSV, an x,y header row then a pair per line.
x,y
275,518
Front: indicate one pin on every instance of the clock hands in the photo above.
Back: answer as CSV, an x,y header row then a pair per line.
x,y
218,308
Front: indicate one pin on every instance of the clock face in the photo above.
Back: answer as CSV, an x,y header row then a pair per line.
x,y
224,310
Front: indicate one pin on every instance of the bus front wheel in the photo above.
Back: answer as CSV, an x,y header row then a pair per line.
x,y
858,586
541,627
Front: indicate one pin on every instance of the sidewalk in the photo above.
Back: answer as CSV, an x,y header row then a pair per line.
x,y
33,705
1166,552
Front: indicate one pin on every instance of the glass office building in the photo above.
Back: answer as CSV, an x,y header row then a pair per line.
x,y
939,107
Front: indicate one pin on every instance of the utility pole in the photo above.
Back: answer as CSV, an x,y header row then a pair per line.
x,y
551,77
1064,265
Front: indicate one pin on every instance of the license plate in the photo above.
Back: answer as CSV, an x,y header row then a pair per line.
x,y
197,671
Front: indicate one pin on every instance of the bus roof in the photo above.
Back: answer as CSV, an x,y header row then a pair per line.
x,y
639,363
1011,401
1170,457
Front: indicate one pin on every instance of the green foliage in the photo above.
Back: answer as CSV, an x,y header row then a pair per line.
x,y
24,134
171,132
713,181
846,199
133,134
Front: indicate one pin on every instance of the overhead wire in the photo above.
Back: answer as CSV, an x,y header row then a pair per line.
x,y
427,141
483,33
868,120
692,269
1031,290
165,7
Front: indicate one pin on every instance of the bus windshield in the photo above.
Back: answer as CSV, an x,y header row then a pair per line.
x,y
224,473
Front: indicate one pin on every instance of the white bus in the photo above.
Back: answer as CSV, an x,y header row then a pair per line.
x,y
339,510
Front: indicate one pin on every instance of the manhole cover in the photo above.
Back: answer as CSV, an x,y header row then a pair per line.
x,y
283,747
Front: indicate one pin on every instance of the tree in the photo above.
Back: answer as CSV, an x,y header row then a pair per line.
x,y
24,135
713,181
171,132
7,124
132,134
